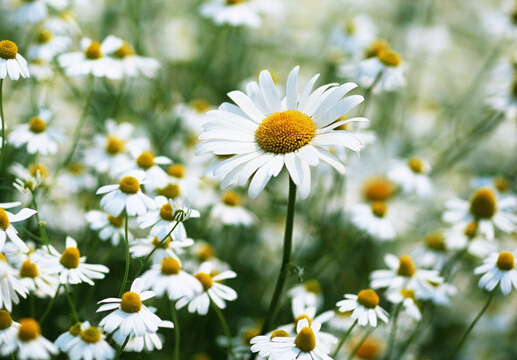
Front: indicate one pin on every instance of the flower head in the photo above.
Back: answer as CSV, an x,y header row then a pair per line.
x,y
12,63
498,268
365,306
7,229
29,343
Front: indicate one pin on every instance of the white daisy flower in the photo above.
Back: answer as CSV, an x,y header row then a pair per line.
x,y
171,247
465,235
35,278
212,291
126,195
41,69
407,298
29,343
265,133
230,212
32,12
267,348
12,63
64,341
47,45
353,35
365,306
442,293
237,12
31,178
149,341
76,178
90,60
7,229
88,344
374,220
39,137
109,227
308,294
8,329
147,162
131,316
70,265
412,176
498,269
10,286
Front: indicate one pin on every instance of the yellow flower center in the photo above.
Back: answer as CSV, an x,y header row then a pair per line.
x,y
234,2
177,170
300,317
170,266
44,36
350,27
37,125
389,57
285,132
370,349
483,203
505,261
305,340
416,165
379,209
206,252
129,185
75,330
8,50
116,221
470,229
436,241
250,334
29,269
200,105
501,184
34,169
162,245
3,258
70,258
131,302
407,267
145,160
93,52
313,286
279,333
231,198
166,212
91,335
29,329
378,189
368,298
5,319
114,145
375,47
76,168
205,280
408,293
4,220
124,51
171,191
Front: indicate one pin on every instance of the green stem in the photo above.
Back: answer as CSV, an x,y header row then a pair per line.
x,y
71,303
174,314
126,271
226,328
121,349
391,342
351,355
469,329
3,123
49,307
344,338
41,225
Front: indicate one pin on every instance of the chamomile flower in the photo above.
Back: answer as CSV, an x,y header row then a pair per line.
x,y
29,343
8,328
40,137
126,195
109,227
31,178
64,340
353,35
498,268
36,279
407,298
237,12
373,219
85,342
131,317
264,133
365,306
10,287
12,63
7,229
307,294
149,163
212,291
229,211
465,235
32,12
412,176
47,45
149,341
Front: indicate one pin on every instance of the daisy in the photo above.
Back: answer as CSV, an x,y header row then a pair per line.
x,y
412,176
126,195
212,291
407,298
31,178
90,60
36,279
109,227
353,35
433,252
76,178
161,249
7,229
498,269
264,133
307,294
29,343
64,340
374,220
466,235
39,137
230,212
10,286
32,12
131,316
89,343
365,306
268,348
47,45
71,266
147,162
8,328
237,12
12,63
149,341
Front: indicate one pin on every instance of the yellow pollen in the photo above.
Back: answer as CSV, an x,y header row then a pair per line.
x,y
501,184
29,269
313,286
368,298
483,203
171,191
416,165
206,252
375,47
170,266
205,280
379,209
285,132
70,258
505,261
4,220
250,334
436,241
124,51
389,57
131,302
114,145
378,189
8,50
300,317
370,349
29,329
200,105
44,36
93,52
91,335
177,170
145,160
279,333
75,329
37,125
408,293
166,212
305,340
407,267
162,245
129,185
470,229
231,198
34,169
5,320
116,221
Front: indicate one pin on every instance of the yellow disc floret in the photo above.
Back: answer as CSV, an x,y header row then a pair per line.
x,y
75,330
368,298
114,145
91,335
93,52
285,132
279,333
8,50
301,317
231,198
375,47
116,221
313,286
234,2
305,340
379,209
407,267
4,220
250,334
378,189
145,160
177,170
37,125
505,261
29,269
501,184
166,212
129,185
205,280
131,302
44,36
389,57
162,244
436,241
171,191
370,349
29,329
170,266
34,169
124,51
483,203
5,319
416,165
70,258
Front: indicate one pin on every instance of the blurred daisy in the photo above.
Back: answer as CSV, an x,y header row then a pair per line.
x,y
353,35
64,340
268,348
31,12
109,227
465,235
39,137
35,279
161,248
76,178
365,306
147,162
212,291
407,298
12,63
29,343
265,133
7,229
229,211
47,45
8,329
31,178
88,344
10,286
374,220
442,293
126,195
432,252
412,176
237,12
498,269
41,69
307,294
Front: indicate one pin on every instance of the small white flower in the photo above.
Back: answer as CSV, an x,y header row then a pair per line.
x,y
7,229
109,227
267,348
229,212
8,329
47,45
36,279
10,286
237,12
12,63
32,12
88,344
29,343
365,306
412,176
147,162
406,297
498,269
149,341
375,220
308,294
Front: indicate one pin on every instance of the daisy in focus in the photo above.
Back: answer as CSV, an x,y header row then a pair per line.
x,y
365,306
498,269
264,133
29,343
12,63
7,229
412,177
